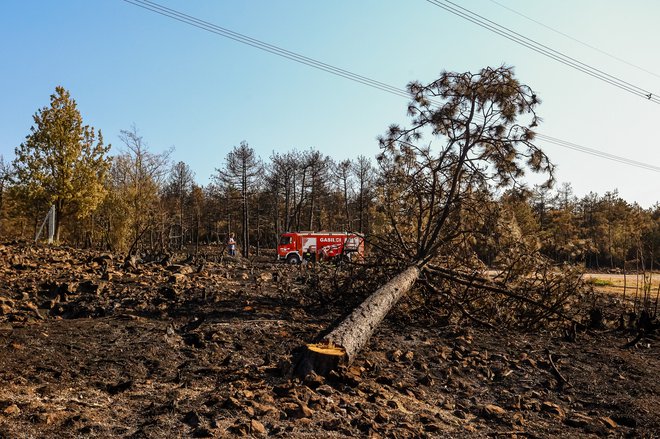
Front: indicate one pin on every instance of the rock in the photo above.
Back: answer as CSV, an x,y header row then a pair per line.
x,y
578,420
493,411
394,404
47,418
352,376
257,428
169,292
325,390
232,403
432,428
283,390
202,432
176,278
518,419
627,421
608,422
89,287
553,409
426,380
305,411
263,409
313,381
63,291
180,269
297,410
12,410
395,355
114,389
30,306
382,417
48,304
239,429
192,419
386,379
421,366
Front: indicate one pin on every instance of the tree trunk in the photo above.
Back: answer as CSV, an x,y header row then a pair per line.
x,y
312,202
2,203
342,344
58,218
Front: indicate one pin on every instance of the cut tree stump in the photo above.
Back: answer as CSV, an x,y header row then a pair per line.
x,y
342,344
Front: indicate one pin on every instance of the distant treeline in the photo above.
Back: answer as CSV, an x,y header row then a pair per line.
x,y
139,201
154,205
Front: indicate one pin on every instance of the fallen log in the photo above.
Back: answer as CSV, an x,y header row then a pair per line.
x,y
342,344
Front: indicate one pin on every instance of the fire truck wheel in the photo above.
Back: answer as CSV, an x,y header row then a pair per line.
x,y
293,259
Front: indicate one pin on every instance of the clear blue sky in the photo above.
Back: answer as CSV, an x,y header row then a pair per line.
x,y
204,94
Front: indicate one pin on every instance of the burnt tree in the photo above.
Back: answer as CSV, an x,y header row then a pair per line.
x,y
242,169
481,125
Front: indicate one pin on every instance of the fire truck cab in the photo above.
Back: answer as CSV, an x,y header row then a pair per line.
x,y
319,245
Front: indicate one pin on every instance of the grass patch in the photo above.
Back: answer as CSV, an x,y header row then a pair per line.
x,y
601,282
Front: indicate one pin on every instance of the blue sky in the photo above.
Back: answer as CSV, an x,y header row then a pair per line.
x,y
203,94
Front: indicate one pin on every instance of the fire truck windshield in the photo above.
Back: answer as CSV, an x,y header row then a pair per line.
x,y
285,240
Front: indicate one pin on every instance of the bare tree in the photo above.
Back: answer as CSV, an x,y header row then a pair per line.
x,y
242,167
365,175
342,177
317,164
281,179
5,178
137,176
179,186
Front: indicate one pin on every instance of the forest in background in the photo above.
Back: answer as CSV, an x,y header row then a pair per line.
x,y
140,200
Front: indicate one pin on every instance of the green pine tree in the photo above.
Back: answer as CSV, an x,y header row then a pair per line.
x,y
62,162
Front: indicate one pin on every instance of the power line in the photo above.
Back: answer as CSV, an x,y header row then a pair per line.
x,y
590,46
542,49
204,25
597,153
210,27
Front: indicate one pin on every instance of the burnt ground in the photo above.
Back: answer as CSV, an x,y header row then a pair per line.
x,y
89,348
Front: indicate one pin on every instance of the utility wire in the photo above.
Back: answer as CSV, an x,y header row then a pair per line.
x,y
209,27
596,153
590,46
204,25
509,34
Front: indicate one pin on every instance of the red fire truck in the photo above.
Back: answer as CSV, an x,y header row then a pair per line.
x,y
320,245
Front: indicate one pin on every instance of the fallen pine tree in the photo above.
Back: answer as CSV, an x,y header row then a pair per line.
x,y
435,200
346,340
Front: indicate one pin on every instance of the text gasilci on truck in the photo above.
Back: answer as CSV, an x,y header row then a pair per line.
x,y
319,245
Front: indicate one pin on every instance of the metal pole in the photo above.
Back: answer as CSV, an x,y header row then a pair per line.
x,y
50,219
51,224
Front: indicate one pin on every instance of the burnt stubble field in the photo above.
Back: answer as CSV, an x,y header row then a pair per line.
x,y
204,347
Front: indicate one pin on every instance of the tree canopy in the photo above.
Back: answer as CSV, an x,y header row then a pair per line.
x,y
62,161
480,130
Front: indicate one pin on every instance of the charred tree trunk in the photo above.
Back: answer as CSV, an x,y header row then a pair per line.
x,y
342,344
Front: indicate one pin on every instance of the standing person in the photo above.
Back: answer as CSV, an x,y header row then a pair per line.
x,y
231,245
309,257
